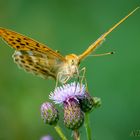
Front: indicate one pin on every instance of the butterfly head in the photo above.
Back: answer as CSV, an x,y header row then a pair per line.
x,y
72,64
72,60
70,68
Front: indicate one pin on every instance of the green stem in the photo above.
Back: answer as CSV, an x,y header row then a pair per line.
x,y
76,135
88,130
60,133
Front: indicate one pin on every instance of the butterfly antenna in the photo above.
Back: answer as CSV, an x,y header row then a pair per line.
x,y
102,54
100,39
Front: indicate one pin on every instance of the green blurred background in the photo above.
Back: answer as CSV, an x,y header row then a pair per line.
x,y
70,26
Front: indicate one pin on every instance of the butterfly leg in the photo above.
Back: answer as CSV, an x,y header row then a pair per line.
x,y
62,78
57,79
83,78
83,71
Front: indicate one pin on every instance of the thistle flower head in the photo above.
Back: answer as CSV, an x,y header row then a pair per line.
x,y
69,95
64,93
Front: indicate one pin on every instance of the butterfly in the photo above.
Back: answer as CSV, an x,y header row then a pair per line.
x,y
41,60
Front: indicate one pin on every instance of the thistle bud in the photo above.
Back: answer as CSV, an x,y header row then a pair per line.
x,y
87,103
49,113
73,116
97,102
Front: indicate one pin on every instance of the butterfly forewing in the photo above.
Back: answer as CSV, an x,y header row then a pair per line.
x,y
21,42
33,56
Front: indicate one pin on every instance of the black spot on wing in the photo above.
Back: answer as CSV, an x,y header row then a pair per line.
x,y
13,43
22,61
37,44
18,40
29,60
22,44
10,39
17,47
27,43
6,33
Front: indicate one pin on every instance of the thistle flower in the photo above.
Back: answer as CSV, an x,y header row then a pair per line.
x,y
69,96
49,113
48,137
67,91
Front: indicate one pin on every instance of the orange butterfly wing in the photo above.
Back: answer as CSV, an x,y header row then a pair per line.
x,y
21,42
33,56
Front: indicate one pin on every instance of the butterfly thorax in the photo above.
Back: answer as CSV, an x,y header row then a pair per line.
x,y
69,68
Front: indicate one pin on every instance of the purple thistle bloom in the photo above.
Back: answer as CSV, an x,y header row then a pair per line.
x,y
48,137
69,95
65,92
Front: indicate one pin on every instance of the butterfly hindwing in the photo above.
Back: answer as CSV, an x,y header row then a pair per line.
x,y
37,63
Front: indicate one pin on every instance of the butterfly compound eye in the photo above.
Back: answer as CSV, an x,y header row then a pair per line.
x,y
72,62
78,62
